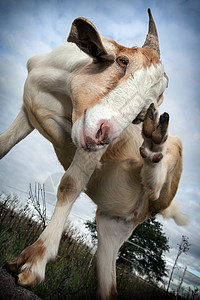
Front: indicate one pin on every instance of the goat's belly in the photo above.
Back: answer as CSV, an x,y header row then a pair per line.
x,y
116,188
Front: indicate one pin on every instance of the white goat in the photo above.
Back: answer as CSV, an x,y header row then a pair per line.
x,y
85,100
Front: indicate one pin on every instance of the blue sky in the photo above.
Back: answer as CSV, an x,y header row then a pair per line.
x,y
32,27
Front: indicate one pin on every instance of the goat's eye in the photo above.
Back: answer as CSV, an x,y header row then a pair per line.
x,y
123,62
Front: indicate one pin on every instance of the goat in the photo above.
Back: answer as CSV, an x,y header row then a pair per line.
x,y
97,103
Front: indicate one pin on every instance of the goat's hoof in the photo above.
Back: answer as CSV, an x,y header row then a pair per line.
x,y
27,279
155,134
159,136
12,267
29,265
150,121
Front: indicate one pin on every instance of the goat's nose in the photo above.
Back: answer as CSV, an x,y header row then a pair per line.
x,y
102,135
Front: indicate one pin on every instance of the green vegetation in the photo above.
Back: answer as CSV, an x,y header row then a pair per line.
x,y
152,243
144,250
72,275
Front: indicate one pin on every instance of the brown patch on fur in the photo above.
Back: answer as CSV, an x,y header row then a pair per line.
x,y
170,187
145,57
117,150
66,188
103,77
30,255
34,253
113,293
150,57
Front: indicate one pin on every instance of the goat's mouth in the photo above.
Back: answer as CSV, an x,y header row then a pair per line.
x,y
97,136
99,141
93,141
92,145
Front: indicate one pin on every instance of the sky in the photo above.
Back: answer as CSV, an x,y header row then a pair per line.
x,y
33,27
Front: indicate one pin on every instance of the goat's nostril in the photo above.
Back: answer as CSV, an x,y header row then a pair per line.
x,y
102,134
102,137
99,132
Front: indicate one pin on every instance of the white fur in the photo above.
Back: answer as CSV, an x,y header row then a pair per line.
x,y
111,235
48,107
174,212
124,103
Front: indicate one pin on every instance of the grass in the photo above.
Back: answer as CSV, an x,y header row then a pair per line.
x,y
72,275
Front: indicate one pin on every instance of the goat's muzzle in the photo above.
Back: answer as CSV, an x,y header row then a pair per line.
x,y
101,139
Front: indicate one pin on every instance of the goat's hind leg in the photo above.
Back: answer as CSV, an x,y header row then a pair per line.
x,y
155,134
153,150
162,167
112,232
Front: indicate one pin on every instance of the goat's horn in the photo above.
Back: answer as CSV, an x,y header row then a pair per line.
x,y
151,41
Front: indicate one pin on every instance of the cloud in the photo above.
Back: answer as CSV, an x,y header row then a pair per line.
x,y
12,74
32,27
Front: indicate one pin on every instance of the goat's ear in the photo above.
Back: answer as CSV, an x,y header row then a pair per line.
x,y
85,35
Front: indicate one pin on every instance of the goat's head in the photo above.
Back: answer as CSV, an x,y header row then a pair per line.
x,y
115,86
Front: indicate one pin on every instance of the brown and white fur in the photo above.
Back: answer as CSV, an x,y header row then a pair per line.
x,y
84,103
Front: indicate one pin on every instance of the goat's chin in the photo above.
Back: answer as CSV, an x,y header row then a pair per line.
x,y
87,139
77,133
93,148
79,139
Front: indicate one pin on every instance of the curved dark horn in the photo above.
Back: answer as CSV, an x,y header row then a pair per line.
x,y
151,41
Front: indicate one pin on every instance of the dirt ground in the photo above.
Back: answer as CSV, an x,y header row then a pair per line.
x,y
9,290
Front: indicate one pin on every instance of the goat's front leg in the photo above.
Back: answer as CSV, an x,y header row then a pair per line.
x,y
153,149
112,232
30,264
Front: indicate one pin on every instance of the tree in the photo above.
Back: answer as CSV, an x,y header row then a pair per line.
x,y
39,193
144,249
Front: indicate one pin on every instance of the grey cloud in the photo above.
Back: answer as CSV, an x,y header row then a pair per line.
x,y
30,28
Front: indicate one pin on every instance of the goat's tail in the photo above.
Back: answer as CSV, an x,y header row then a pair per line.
x,y
19,129
174,212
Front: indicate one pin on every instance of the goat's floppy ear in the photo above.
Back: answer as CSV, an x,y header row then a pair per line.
x,y
85,35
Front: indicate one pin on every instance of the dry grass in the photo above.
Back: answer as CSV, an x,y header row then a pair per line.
x,y
72,275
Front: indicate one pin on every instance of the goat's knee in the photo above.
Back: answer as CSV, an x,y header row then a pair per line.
x,y
67,188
